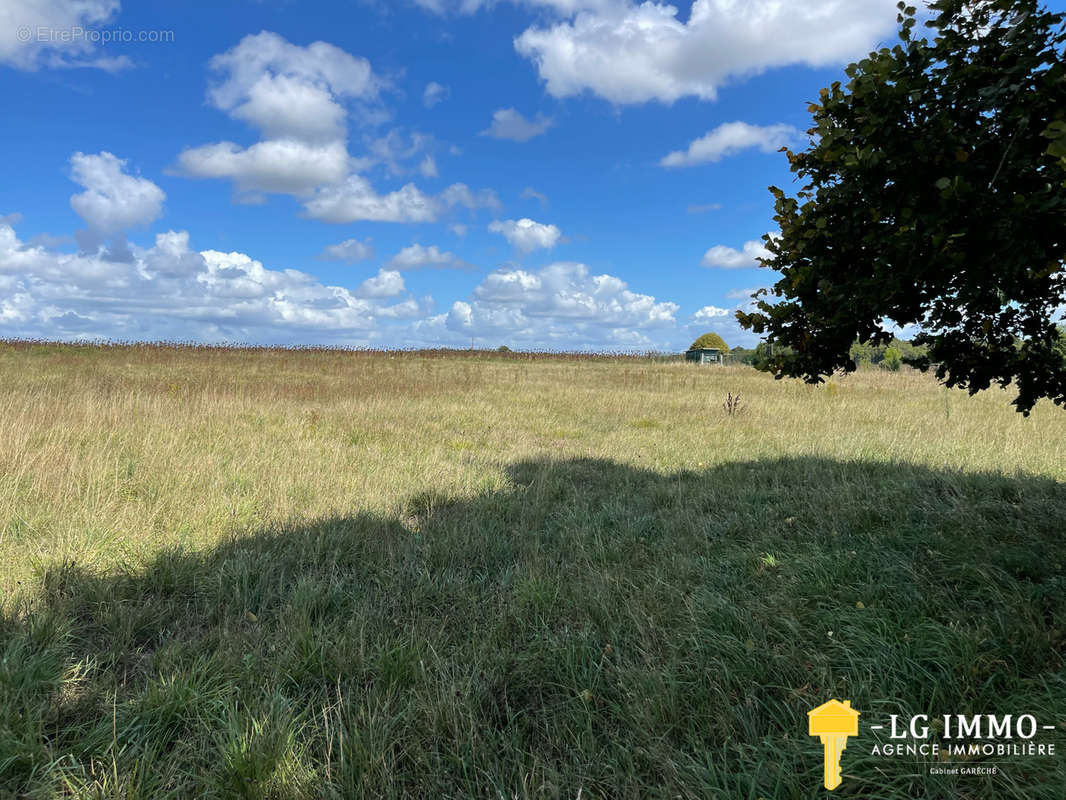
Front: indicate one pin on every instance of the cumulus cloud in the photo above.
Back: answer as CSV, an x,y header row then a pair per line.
x,y
526,235
387,283
435,93
710,313
170,291
285,166
566,7
730,138
113,201
562,305
300,100
724,257
44,16
418,257
288,91
632,53
507,123
349,251
356,200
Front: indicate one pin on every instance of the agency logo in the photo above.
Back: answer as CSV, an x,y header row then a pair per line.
x,y
952,744
833,723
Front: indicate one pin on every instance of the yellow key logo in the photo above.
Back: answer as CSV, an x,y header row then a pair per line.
x,y
833,723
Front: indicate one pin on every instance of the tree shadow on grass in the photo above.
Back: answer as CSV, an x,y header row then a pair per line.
x,y
596,629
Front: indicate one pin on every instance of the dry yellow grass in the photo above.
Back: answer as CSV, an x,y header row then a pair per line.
x,y
110,454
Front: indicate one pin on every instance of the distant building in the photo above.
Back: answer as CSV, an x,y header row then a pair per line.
x,y
705,355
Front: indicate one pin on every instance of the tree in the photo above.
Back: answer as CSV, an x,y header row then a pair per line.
x,y
892,360
710,341
742,355
862,353
934,195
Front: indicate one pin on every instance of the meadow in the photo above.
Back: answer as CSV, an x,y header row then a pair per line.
x,y
304,574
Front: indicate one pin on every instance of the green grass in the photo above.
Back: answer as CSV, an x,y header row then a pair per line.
x,y
501,586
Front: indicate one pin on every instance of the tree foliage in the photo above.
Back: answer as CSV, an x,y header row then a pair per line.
x,y
934,194
710,341
867,354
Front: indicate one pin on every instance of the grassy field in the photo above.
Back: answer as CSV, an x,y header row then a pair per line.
x,y
314,574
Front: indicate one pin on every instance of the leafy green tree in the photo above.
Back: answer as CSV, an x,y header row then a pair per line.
x,y
932,196
710,341
766,354
862,353
742,355
892,359
1060,345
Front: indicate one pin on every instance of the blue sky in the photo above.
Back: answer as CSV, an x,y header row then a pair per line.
x,y
564,174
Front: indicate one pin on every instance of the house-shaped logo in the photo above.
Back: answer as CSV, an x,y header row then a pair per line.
x,y
833,723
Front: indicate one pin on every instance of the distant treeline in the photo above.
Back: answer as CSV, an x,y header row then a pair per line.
x,y
53,347
887,356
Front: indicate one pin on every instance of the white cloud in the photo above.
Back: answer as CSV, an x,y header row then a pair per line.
x,y
460,195
169,291
567,7
730,258
730,138
395,148
529,193
113,201
300,99
288,91
428,167
282,107
435,93
562,305
349,251
526,235
507,123
417,257
630,53
356,200
742,294
286,166
710,313
39,18
387,283
296,97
